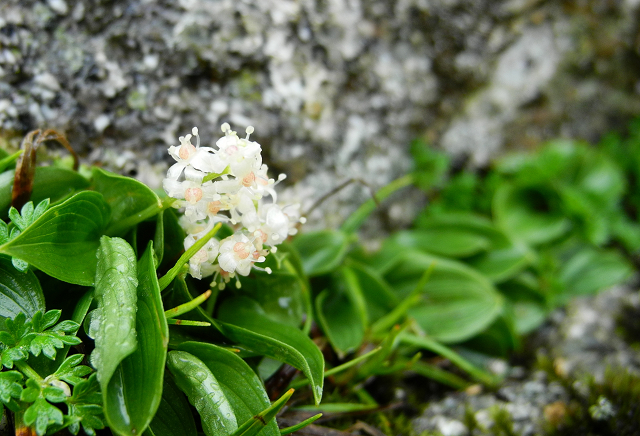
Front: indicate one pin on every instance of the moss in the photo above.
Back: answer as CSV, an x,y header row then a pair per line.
x,y
608,408
503,423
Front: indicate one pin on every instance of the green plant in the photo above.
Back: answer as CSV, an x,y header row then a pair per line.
x,y
487,259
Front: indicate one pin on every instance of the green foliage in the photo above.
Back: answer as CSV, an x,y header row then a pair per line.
x,y
24,390
487,259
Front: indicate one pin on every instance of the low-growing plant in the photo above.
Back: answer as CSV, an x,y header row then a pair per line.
x,y
206,319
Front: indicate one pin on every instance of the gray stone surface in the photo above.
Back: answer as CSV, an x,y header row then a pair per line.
x,y
335,88
581,340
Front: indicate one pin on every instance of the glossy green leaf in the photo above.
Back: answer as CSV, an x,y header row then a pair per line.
x,y
244,322
239,383
321,251
457,301
531,215
63,241
195,379
127,197
19,292
174,417
135,390
49,182
113,323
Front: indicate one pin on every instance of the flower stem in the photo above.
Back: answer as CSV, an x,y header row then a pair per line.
x,y
28,371
173,272
188,306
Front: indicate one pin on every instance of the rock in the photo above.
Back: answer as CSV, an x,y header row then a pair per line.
x,y
582,341
335,89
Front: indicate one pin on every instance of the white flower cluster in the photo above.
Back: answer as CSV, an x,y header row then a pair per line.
x,y
228,184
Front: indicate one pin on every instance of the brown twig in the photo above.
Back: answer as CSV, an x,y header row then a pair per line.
x,y
337,189
26,165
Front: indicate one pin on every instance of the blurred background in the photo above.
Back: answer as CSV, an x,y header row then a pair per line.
x,y
335,88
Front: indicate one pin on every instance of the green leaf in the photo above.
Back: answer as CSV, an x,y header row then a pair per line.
x,y
590,270
430,165
300,425
174,417
448,241
377,294
158,238
530,214
7,160
45,340
195,379
88,415
41,414
342,312
84,406
527,302
127,198
285,300
339,321
457,301
503,263
71,371
9,386
19,292
28,214
50,182
240,385
113,322
256,424
321,251
244,322
499,339
135,390
64,240
173,239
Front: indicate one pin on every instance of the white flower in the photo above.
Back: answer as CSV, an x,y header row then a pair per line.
x,y
187,155
239,154
196,196
238,254
201,263
237,182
